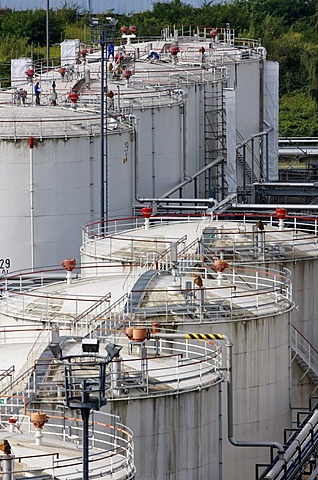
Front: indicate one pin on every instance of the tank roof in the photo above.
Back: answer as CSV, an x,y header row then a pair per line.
x,y
152,82
58,453
237,236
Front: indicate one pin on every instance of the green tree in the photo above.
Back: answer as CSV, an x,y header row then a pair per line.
x,y
288,51
31,24
12,46
298,116
309,62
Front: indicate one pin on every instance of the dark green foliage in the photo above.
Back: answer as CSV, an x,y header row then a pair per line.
x,y
31,24
298,116
5,72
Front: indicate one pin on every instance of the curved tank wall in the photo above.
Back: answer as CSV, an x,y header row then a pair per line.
x,y
246,79
261,387
176,436
304,276
159,165
194,127
261,343
43,218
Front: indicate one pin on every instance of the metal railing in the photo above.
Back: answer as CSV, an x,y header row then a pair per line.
x,y
93,310
118,245
239,292
111,445
162,367
302,347
40,296
242,293
67,127
298,239
300,451
110,320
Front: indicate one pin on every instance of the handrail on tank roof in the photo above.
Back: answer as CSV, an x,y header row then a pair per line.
x,y
246,216
115,447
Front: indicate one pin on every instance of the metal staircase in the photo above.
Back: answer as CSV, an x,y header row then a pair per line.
x,y
246,168
248,164
300,460
304,354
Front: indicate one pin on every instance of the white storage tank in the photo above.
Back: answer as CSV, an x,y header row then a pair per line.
x,y
49,191
250,305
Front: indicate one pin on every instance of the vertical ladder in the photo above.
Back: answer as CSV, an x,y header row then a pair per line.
x,y
214,140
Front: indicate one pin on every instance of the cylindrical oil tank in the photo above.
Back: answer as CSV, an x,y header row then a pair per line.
x,y
48,192
261,387
160,142
261,347
176,436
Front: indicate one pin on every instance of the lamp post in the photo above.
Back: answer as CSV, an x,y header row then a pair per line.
x,y
103,34
85,385
47,34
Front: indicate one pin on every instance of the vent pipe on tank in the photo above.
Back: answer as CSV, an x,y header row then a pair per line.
x,y
220,265
69,264
31,146
281,214
146,213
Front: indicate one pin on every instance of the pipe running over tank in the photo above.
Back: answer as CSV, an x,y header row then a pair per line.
x,y
229,368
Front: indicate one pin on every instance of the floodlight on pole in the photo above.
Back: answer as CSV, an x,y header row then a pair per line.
x,y
85,386
47,34
112,350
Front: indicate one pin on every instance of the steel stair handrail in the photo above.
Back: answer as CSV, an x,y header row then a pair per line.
x,y
304,350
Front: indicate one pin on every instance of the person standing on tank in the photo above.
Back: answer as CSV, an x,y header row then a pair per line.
x,y
37,92
111,51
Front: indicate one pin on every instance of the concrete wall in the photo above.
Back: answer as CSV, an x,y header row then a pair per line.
x,y
261,382
176,436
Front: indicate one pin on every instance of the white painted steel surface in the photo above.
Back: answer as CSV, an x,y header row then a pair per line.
x,y
272,115
247,79
261,385
171,398
66,184
164,105
259,331
159,164
70,50
18,69
180,433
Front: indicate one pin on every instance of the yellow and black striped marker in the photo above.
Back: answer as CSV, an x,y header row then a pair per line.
x,y
204,336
